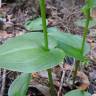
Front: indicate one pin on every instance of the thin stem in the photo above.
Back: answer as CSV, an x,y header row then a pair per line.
x,y
83,43
75,71
85,30
43,14
52,90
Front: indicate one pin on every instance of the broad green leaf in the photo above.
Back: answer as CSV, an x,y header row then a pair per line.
x,y
71,44
30,59
29,40
77,92
19,87
81,23
26,53
34,24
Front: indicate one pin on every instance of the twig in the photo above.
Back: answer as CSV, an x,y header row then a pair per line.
x,y
4,75
3,83
61,83
68,78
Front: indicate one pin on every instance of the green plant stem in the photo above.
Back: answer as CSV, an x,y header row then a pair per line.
x,y
75,70
83,44
85,31
52,90
43,14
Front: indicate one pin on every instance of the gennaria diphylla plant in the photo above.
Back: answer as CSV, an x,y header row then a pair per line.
x,y
37,51
86,23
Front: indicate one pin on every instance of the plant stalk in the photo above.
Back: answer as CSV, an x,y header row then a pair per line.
x,y
43,15
75,70
52,90
83,43
85,31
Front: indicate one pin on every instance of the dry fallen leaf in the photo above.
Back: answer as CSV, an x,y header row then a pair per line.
x,y
44,74
35,75
43,89
4,35
85,80
67,67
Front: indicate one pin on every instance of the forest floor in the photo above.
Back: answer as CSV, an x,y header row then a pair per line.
x,y
12,19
